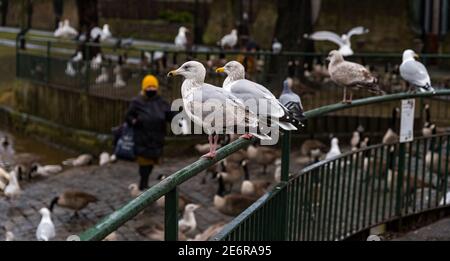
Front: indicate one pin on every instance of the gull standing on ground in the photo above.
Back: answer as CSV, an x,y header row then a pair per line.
x,y
180,39
335,150
352,75
213,108
345,46
415,72
46,228
291,100
229,40
249,91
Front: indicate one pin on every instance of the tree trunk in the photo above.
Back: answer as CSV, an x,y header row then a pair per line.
x,y
87,14
294,20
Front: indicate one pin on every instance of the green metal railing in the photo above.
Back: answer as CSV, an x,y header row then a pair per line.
x,y
290,210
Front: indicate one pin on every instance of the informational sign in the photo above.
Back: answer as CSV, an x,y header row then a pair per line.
x,y
407,121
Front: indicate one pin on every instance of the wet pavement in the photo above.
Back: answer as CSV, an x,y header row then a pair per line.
x,y
438,231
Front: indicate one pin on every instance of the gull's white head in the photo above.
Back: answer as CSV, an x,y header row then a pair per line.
x,y
182,30
133,186
66,22
106,27
191,207
234,32
335,57
60,24
233,69
334,142
409,55
44,212
191,70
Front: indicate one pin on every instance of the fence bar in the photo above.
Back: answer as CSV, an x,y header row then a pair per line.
x,y
171,215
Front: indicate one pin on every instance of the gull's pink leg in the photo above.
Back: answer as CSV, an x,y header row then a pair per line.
x,y
210,154
247,136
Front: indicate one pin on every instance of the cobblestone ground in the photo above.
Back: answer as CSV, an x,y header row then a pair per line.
x,y
110,184
438,231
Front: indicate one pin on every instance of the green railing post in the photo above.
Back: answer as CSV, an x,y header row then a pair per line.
x,y
47,73
401,170
171,215
283,207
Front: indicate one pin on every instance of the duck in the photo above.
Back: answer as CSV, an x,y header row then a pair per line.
x,y
231,204
391,137
188,223
254,188
182,201
134,190
264,156
74,200
208,233
12,190
82,160
335,150
46,229
46,170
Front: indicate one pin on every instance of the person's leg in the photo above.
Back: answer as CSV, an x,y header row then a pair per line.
x,y
144,172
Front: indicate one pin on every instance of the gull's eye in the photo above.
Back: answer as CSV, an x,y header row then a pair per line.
x,y
186,67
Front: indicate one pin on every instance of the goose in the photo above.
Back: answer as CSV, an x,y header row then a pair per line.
x,y
208,233
231,204
229,40
350,75
46,229
260,100
182,201
134,190
12,190
414,72
105,158
233,172
180,39
9,236
82,160
188,223
45,170
391,137
254,188
103,77
74,200
264,156
342,41
335,150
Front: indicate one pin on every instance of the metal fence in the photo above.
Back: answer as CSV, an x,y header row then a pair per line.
x,y
328,201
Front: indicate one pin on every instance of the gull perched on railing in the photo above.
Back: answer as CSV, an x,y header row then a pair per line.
x,y
266,105
414,72
180,39
342,41
291,100
215,109
230,40
65,31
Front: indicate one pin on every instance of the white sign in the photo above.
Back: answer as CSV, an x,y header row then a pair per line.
x,y
407,121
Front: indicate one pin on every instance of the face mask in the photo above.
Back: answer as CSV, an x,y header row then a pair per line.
x,y
150,93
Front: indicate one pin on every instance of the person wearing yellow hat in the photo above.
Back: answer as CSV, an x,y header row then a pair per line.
x,y
148,114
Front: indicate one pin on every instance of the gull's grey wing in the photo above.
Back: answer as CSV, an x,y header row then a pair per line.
x,y
415,73
326,36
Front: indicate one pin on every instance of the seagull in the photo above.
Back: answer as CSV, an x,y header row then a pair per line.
x,y
70,70
267,107
276,46
335,150
229,40
199,99
96,33
9,236
103,77
119,82
188,223
12,190
343,41
291,100
104,158
445,199
58,32
106,33
96,62
349,74
415,72
78,57
66,31
180,39
355,141
46,228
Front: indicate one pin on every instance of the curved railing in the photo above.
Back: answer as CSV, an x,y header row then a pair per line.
x,y
269,210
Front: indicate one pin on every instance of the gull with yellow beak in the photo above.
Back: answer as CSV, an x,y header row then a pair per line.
x,y
213,108
414,72
266,105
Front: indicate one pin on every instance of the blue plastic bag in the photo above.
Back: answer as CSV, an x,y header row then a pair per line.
x,y
125,144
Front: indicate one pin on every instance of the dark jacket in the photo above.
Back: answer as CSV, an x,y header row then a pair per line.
x,y
151,115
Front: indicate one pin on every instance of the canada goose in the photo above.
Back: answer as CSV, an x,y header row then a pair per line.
x,y
213,170
45,170
209,232
335,150
46,229
71,199
391,137
26,162
188,223
9,236
233,173
182,201
12,190
134,190
262,155
231,204
82,160
253,188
